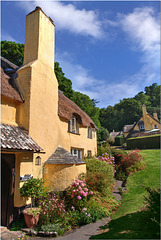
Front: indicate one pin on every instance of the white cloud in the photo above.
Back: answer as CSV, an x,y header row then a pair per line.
x,y
67,16
143,28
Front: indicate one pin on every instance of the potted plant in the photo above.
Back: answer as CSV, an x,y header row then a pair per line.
x,y
33,188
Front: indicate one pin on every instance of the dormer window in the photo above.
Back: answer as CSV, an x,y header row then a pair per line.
x,y
73,125
155,126
90,132
141,126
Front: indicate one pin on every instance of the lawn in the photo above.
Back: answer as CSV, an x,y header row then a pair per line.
x,y
130,221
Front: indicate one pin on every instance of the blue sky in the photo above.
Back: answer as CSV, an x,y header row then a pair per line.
x,y
109,49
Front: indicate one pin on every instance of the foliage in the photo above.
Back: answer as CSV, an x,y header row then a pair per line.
x,y
65,84
117,154
50,227
99,176
99,182
52,209
129,163
102,134
103,148
153,207
87,105
13,52
108,159
19,224
147,142
78,195
119,141
33,211
34,188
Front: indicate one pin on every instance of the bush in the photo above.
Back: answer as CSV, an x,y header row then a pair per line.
x,y
153,209
119,141
148,142
103,148
77,195
129,163
117,154
52,209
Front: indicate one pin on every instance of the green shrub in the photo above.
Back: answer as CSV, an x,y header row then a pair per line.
x,y
117,154
148,142
129,163
103,148
119,141
52,228
153,209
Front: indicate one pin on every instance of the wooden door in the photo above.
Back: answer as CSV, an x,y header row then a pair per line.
x,y
7,188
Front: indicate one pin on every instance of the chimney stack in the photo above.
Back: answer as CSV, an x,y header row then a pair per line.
x,y
39,38
144,110
155,115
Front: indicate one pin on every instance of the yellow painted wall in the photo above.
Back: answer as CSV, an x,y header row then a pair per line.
x,y
8,111
59,177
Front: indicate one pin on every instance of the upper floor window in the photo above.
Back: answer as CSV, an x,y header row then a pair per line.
x,y
90,132
155,126
141,126
73,125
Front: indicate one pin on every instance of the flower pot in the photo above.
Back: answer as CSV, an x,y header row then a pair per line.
x,y
31,221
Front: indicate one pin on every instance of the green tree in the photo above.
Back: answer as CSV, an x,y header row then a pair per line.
x,y
102,134
13,52
87,105
65,84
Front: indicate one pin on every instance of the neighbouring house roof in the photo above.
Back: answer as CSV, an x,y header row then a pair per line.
x,y
115,134
13,137
62,156
142,134
127,128
66,107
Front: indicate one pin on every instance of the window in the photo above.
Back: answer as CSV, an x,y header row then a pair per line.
x,y
89,153
76,152
141,126
155,126
90,132
73,126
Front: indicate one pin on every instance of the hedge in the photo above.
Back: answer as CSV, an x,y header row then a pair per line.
x,y
148,142
119,141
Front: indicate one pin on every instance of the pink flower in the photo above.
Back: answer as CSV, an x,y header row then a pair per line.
x,y
80,188
74,191
83,184
84,194
72,195
79,197
86,189
91,193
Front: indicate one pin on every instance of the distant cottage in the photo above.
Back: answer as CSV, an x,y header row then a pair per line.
x,y
43,133
147,125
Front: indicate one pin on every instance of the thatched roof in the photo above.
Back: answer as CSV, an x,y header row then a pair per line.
x,y
67,108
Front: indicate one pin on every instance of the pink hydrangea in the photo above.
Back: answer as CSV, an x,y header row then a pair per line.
x,y
79,197
86,189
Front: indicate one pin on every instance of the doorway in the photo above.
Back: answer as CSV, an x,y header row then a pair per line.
x,y
7,188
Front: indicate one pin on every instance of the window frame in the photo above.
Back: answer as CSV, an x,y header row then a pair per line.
x,y
73,126
77,152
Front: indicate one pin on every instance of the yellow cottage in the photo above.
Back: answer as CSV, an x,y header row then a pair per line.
x,y
147,125
43,133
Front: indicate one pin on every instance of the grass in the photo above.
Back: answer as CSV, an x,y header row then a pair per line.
x,y
131,221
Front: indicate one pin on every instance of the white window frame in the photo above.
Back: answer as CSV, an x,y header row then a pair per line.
x,y
76,152
141,127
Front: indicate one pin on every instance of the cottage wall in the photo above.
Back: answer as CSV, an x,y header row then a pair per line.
x,y
8,111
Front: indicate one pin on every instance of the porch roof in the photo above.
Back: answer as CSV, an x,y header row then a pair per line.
x,y
15,138
62,156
